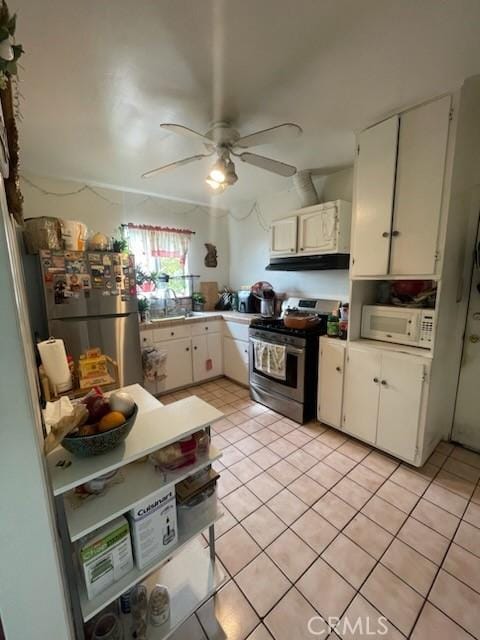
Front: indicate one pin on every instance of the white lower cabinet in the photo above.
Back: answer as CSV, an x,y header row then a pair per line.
x,y
207,356
383,398
330,381
235,359
178,367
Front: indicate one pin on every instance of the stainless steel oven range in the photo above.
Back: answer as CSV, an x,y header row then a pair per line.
x,y
283,362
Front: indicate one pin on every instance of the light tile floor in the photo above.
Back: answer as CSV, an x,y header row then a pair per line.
x,y
318,526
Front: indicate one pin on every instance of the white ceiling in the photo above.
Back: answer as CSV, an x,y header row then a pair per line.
x,y
100,75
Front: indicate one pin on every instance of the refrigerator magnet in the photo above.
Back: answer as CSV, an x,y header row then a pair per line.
x,y
95,258
97,270
86,281
107,260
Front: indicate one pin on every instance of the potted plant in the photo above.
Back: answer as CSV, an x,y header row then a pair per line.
x,y
198,301
144,309
146,281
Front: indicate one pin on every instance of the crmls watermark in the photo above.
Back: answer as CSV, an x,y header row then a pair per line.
x,y
362,626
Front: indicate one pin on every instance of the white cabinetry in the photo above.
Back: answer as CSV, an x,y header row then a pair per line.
x,y
283,236
178,367
398,192
207,356
383,398
330,381
235,360
324,228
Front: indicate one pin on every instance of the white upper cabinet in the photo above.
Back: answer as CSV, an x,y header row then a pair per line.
x,y
283,236
422,147
324,228
374,188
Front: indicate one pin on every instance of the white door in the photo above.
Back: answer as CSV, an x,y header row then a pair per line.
x,y
235,360
207,356
422,148
283,236
361,393
317,230
178,367
330,382
374,187
401,384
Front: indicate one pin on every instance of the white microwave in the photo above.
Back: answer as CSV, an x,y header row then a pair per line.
x,y
402,325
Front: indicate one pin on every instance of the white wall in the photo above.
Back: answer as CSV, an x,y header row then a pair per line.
x,y
102,216
249,242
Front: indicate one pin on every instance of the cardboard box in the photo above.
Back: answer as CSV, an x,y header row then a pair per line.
x,y
153,524
105,556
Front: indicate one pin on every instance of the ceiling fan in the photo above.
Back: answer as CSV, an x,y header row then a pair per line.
x,y
224,141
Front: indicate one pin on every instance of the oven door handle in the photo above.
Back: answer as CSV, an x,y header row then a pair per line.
x,y
288,347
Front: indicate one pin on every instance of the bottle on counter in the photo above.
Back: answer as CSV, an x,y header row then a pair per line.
x,y
343,323
332,325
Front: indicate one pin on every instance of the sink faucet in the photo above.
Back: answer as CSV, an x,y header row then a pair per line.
x,y
170,294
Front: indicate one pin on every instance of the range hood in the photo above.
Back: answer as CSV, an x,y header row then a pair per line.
x,y
323,262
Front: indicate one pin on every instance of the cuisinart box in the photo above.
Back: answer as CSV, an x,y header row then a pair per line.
x,y
105,556
153,523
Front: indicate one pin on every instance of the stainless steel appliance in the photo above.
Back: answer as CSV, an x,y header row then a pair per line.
x,y
294,393
401,325
247,302
91,301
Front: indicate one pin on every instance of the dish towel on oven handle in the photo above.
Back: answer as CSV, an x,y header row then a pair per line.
x,y
270,358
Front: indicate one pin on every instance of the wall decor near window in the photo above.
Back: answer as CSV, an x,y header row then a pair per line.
x,y
211,257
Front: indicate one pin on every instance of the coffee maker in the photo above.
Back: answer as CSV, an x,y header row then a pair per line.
x,y
247,302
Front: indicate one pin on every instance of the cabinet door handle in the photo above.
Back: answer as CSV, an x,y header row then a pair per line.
x,y
384,382
301,248
194,348
386,234
339,369
375,379
206,328
172,333
395,234
187,349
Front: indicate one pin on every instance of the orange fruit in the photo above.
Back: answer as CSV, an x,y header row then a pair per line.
x,y
111,420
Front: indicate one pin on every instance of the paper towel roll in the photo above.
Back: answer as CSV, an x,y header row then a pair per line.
x,y
54,360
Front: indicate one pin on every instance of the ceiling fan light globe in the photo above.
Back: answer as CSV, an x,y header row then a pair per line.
x,y
217,174
213,184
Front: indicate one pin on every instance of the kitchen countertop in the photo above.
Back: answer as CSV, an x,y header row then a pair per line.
x,y
232,316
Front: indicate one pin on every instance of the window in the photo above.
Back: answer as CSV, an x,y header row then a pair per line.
x,y
161,250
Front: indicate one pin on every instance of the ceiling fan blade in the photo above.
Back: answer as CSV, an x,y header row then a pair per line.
x,y
275,166
280,133
185,131
174,165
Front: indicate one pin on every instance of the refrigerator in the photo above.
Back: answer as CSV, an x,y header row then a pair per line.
x,y
90,301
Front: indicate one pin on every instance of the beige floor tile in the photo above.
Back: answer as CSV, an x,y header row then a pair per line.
x,y
329,593
468,537
236,549
251,426
466,456
341,463
410,480
369,621
264,458
457,601
437,459
262,583
255,410
266,419
317,449
472,514
398,496
445,447
302,460
264,486
219,442
264,526
222,425
445,499
241,502
350,561
332,438
234,434
281,427
366,478
189,630
392,597
324,475
354,450
282,447
260,633
426,541
289,620
307,489
476,495
291,554
228,615
414,569
313,428
434,625
464,566
384,514
462,470
223,524
227,483
238,417
248,445
335,510
245,470
463,488
266,436
436,518
352,493
315,530
298,438
287,506
380,463
368,535
231,455
284,472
